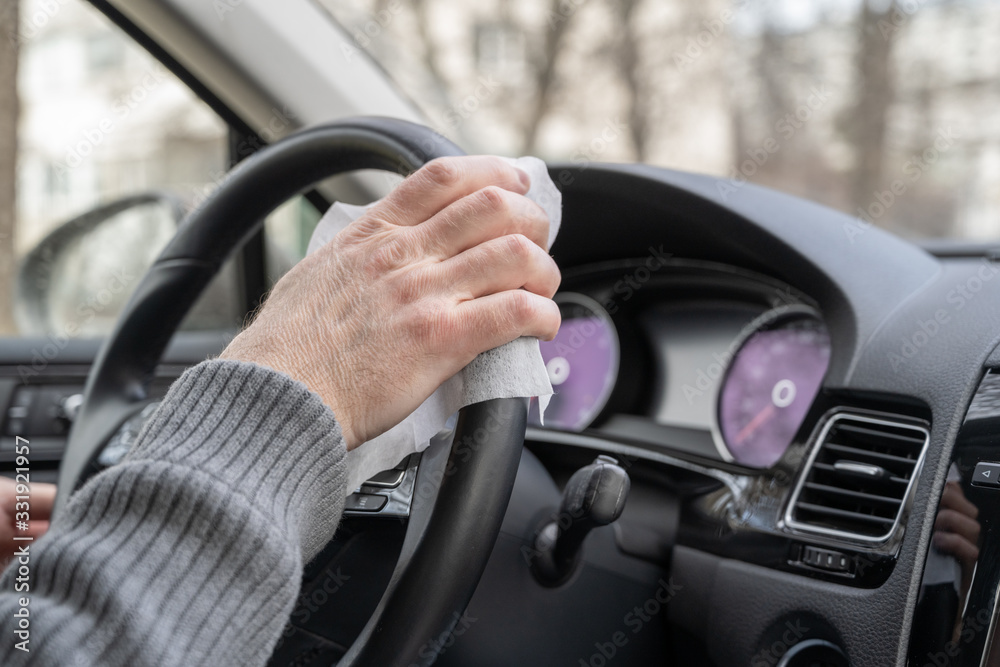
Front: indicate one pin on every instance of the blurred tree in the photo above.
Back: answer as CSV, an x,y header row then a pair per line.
x,y
638,102
559,16
9,108
864,123
421,11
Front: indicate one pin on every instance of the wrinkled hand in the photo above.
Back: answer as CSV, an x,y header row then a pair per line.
x,y
39,508
410,292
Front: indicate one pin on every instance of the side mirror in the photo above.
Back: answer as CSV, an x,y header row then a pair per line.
x,y
78,278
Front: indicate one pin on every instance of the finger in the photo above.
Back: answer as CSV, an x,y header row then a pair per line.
x,y
957,546
956,522
35,529
486,214
43,497
954,498
499,318
499,265
444,181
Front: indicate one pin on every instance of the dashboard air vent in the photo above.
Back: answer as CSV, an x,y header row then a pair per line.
x,y
859,479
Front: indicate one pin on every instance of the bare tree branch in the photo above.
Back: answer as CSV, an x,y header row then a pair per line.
x,y
628,64
560,14
866,120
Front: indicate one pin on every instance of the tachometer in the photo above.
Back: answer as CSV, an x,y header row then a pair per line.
x,y
582,362
771,383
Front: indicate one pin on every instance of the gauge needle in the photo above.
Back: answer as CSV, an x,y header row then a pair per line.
x,y
755,423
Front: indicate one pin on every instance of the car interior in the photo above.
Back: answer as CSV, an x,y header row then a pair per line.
x,y
764,408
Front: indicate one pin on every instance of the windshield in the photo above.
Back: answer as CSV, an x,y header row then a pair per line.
x,y
885,110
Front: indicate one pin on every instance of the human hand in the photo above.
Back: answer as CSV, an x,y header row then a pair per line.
x,y
40,501
956,533
956,530
410,292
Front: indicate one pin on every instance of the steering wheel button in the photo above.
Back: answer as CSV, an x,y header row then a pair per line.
x,y
987,474
364,502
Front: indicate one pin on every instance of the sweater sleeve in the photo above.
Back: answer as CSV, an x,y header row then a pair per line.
x,y
190,551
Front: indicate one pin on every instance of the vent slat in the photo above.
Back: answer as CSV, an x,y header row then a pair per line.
x,y
826,467
854,505
858,495
915,441
853,516
858,452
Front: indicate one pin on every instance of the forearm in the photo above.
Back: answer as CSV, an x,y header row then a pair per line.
x,y
191,550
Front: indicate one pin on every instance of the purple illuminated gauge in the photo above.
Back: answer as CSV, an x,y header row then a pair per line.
x,y
770,386
582,361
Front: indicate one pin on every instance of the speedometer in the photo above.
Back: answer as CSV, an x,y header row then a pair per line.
x,y
771,383
582,362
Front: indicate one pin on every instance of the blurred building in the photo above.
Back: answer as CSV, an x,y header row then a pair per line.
x,y
100,119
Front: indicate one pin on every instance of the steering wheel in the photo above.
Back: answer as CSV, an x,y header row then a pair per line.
x,y
457,526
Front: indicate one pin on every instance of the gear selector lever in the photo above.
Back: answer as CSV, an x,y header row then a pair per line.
x,y
594,496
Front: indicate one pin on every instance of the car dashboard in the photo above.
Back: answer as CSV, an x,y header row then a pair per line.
x,y
789,390
719,372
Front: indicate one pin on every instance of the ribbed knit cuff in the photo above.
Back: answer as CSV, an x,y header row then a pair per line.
x,y
264,435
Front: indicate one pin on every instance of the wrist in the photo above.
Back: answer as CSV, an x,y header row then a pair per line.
x,y
239,351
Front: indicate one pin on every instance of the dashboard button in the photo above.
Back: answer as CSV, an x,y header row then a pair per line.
x,y
987,474
826,559
364,502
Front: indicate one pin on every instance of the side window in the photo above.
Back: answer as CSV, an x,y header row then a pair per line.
x,y
287,232
111,151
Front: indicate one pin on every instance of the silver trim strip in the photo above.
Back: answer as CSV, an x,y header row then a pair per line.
x,y
991,634
829,421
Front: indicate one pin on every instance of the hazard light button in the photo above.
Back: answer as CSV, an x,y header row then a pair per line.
x,y
987,474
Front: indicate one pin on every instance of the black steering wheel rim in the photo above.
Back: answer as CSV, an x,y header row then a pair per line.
x,y
472,496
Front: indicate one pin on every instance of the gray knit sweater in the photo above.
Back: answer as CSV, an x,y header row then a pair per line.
x,y
190,551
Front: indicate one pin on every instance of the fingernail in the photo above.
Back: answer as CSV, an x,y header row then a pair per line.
x,y
524,178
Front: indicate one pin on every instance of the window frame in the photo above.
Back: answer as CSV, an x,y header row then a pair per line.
x,y
243,142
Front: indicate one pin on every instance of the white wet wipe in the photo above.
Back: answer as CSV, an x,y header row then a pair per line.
x,y
512,370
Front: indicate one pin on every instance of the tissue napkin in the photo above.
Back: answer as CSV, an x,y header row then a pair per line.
x,y
511,370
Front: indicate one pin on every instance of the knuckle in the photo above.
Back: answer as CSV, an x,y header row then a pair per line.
x,y
519,247
442,171
540,225
498,165
493,198
535,215
529,218
553,276
521,308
